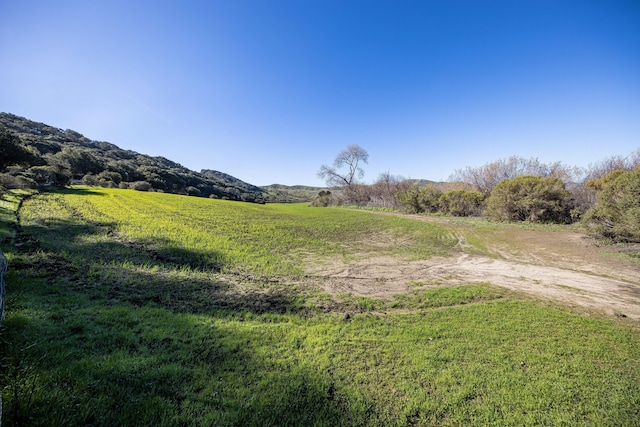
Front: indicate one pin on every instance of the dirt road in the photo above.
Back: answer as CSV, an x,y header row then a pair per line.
x,y
563,266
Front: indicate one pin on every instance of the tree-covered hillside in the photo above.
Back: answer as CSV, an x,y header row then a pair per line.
x,y
42,155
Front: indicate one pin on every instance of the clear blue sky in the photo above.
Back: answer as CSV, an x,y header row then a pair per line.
x,y
267,91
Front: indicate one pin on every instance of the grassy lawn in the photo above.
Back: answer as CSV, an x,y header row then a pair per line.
x,y
129,308
214,234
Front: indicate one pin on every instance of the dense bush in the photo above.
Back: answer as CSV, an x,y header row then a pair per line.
x,y
419,199
462,203
193,191
8,181
529,198
49,175
141,186
616,215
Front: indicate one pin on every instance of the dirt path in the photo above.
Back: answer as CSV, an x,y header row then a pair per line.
x,y
563,266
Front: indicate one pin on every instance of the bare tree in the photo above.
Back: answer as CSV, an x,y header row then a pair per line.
x,y
610,164
384,190
351,157
485,178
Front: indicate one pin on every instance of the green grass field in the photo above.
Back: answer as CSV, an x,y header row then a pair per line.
x,y
129,308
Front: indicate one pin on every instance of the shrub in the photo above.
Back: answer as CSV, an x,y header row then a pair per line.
x,y
90,179
529,198
49,175
416,199
141,186
462,202
112,176
25,182
193,191
616,214
8,181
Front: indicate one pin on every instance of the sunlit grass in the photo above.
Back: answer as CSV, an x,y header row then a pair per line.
x,y
263,239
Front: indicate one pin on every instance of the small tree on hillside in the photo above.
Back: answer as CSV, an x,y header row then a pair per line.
x,y
529,198
351,157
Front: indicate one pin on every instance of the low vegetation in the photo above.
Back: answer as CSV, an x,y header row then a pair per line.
x,y
130,308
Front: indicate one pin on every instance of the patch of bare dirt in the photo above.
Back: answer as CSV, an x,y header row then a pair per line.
x,y
564,266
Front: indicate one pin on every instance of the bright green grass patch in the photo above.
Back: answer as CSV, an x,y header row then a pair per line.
x,y
264,239
418,298
447,296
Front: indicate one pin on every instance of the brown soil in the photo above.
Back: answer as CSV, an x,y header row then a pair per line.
x,y
564,266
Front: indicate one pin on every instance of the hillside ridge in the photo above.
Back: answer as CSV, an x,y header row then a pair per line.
x,y
62,156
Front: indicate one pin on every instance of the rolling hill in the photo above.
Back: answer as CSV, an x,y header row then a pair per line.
x,y
58,157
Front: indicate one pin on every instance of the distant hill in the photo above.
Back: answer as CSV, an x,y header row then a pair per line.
x,y
290,194
444,186
423,182
58,157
